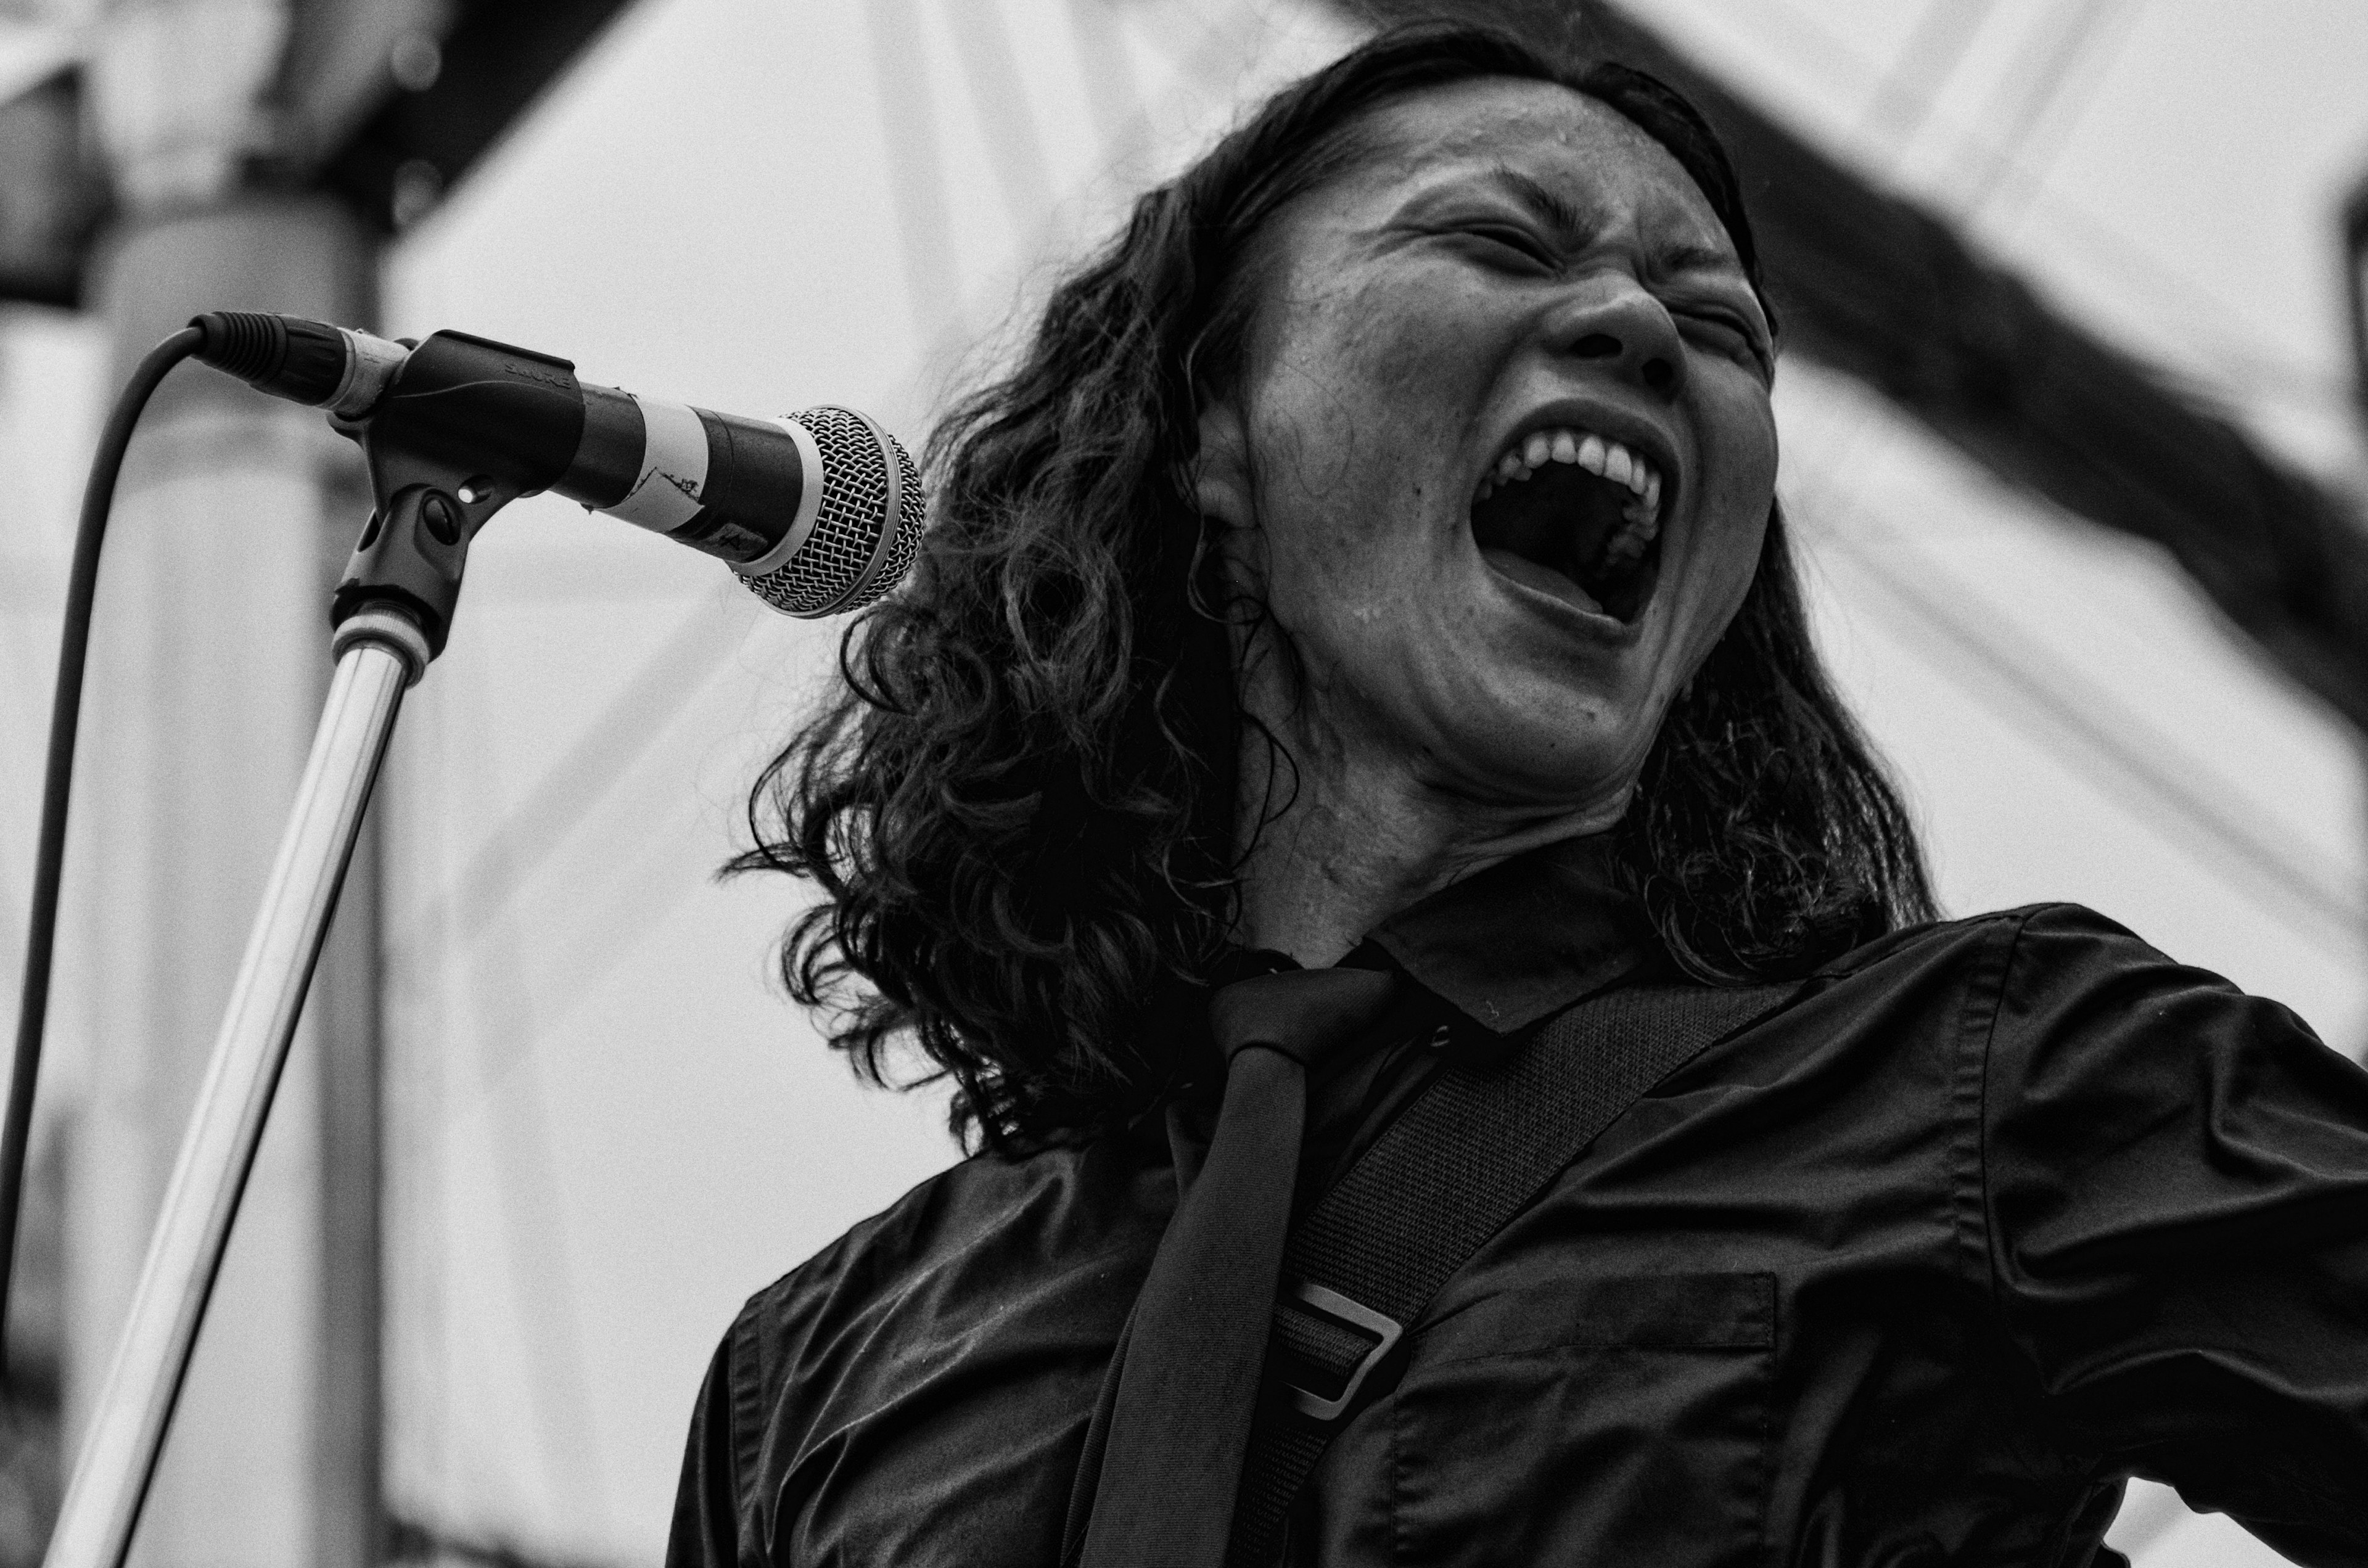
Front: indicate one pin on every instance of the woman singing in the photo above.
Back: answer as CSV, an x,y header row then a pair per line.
x,y
1356,651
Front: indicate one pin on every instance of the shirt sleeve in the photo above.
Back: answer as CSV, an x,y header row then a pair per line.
x,y
706,1528
2175,1194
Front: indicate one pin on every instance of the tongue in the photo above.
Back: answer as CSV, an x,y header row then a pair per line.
x,y
1545,579
1544,531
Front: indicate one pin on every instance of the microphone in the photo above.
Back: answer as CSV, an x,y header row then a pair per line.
x,y
819,513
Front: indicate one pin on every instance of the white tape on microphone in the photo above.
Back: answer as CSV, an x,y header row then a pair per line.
x,y
674,467
809,491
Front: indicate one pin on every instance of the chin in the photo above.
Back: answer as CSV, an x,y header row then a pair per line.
x,y
1553,747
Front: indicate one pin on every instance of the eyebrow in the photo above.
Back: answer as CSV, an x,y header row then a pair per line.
x,y
1555,209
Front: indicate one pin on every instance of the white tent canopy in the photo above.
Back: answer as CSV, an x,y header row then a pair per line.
x,y
607,1127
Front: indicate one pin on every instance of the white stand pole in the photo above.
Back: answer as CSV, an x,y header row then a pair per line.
x,y
379,654
234,518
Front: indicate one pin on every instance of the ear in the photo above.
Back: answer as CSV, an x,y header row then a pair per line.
x,y
1221,473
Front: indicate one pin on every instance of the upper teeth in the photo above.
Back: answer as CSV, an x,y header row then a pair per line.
x,y
1612,460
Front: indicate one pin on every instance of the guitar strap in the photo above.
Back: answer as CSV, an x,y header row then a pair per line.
x,y
1474,1149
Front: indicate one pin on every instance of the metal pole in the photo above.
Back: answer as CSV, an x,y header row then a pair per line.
x,y
379,653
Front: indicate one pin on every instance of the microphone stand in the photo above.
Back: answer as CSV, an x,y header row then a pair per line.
x,y
392,613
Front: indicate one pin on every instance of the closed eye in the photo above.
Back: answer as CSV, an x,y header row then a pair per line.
x,y
1512,239
1726,334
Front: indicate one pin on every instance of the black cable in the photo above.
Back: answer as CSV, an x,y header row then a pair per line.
x,y
65,717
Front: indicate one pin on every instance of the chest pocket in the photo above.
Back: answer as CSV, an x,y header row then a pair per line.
x,y
1585,1424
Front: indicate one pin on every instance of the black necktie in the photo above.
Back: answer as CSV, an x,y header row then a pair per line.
x,y
1196,1346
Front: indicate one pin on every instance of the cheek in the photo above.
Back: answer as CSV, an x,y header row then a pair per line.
x,y
1740,456
1731,524
1738,561
1724,562
1374,361
1739,480
1349,491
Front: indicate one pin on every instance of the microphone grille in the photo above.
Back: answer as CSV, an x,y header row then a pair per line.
x,y
866,528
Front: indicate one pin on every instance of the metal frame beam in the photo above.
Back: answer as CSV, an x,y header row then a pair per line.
x,y
52,196
386,150
498,58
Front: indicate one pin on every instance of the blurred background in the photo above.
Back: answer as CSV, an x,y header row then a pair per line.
x,y
2072,444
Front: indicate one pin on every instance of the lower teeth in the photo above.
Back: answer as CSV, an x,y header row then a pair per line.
x,y
1620,555
1625,548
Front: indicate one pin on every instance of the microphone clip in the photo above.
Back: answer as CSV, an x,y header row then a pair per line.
x,y
467,426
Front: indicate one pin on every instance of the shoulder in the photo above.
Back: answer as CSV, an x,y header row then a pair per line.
x,y
2073,1015
2044,996
946,1261
2037,936
1935,986
1066,1201
965,1325
2037,966
2051,967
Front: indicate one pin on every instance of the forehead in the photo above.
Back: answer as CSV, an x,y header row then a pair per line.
x,y
1598,162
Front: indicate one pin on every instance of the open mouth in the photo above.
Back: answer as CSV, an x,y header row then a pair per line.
x,y
1579,511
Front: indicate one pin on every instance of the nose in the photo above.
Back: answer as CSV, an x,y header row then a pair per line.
x,y
1616,324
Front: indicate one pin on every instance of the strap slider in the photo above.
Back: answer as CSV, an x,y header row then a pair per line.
x,y
1386,1332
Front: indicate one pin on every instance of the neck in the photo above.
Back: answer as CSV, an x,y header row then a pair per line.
x,y
1365,836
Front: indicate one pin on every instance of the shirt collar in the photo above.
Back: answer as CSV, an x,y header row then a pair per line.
x,y
1524,939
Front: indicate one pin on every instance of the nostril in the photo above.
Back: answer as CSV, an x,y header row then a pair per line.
x,y
1597,346
1659,374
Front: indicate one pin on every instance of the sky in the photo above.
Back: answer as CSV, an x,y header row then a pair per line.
x,y
609,1127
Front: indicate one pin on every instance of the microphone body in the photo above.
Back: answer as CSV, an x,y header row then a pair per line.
x,y
818,512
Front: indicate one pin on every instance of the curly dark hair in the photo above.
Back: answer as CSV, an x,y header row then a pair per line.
x,y
1019,806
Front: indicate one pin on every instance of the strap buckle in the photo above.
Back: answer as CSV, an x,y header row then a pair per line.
x,y
1339,1310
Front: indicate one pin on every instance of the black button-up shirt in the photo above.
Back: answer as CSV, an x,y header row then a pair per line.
x,y
1995,1214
